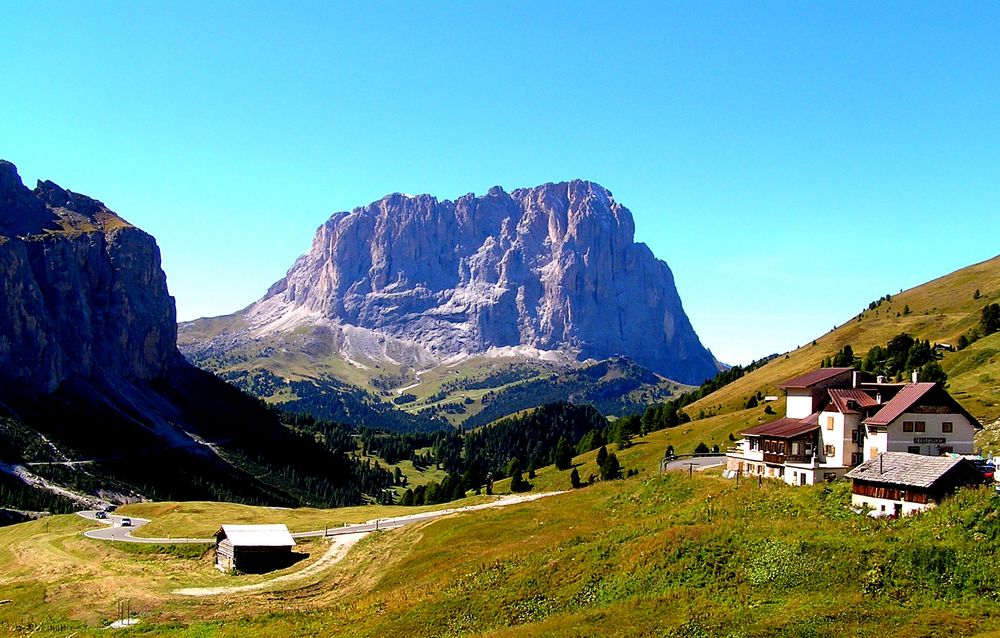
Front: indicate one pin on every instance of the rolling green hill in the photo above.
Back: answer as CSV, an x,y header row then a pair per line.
x,y
471,393
650,556
939,311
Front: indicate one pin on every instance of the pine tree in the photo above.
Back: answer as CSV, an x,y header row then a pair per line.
x,y
934,373
563,457
602,456
990,319
622,438
517,482
611,469
574,478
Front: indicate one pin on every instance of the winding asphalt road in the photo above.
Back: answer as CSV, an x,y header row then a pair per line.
x,y
685,463
115,532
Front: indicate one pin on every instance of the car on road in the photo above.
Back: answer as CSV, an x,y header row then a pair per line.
x,y
100,514
126,521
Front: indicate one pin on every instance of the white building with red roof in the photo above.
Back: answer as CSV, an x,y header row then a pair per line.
x,y
837,418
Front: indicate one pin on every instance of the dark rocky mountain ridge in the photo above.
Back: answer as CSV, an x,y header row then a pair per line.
x,y
90,370
83,290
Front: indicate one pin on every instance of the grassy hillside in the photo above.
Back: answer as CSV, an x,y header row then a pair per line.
x,y
649,556
476,391
940,311
652,555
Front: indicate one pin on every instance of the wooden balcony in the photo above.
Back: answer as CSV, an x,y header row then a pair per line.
x,y
770,457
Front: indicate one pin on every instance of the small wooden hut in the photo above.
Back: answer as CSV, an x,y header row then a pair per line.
x,y
253,548
900,483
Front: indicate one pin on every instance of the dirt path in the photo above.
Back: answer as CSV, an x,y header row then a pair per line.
x,y
338,549
341,544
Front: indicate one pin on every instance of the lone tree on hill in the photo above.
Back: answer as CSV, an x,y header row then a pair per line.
x,y
602,456
702,448
563,456
844,358
517,482
574,479
622,439
611,469
990,319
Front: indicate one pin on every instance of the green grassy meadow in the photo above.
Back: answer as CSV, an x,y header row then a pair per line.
x,y
648,556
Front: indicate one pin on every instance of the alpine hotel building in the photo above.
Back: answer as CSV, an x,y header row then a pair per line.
x,y
835,419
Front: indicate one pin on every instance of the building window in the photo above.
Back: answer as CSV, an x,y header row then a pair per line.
x,y
854,436
872,452
857,458
913,449
919,426
829,476
907,426
947,427
829,450
829,423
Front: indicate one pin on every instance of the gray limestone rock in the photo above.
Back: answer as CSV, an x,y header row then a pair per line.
x,y
551,268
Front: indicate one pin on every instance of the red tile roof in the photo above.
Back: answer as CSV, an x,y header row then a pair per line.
x,y
812,419
784,428
903,401
840,396
810,379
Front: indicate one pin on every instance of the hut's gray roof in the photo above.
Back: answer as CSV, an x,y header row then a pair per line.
x,y
257,535
903,468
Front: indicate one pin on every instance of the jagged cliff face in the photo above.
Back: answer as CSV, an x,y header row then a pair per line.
x,y
546,269
89,365
82,290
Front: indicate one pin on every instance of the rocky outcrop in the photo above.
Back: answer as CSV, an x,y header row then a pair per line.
x,y
548,269
89,370
82,290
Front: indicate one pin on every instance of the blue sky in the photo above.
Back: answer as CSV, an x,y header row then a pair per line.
x,y
790,161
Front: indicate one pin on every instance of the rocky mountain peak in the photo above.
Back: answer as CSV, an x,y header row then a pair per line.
x,y
81,291
10,181
20,211
549,269
53,195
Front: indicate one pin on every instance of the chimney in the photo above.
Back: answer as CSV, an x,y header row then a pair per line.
x,y
880,379
855,378
878,398
916,376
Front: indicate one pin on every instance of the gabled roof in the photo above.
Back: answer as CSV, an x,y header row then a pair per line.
x,y
784,428
256,535
902,468
839,397
810,379
910,396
